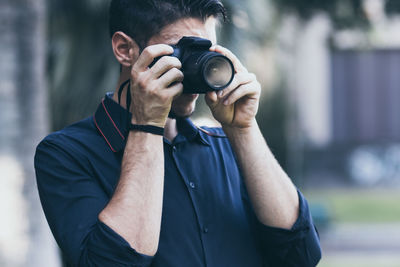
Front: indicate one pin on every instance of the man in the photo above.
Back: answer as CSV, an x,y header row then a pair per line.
x,y
116,196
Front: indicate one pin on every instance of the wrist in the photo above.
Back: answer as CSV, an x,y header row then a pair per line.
x,y
156,123
240,130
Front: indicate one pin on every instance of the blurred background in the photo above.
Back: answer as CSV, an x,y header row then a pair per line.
x,y
329,110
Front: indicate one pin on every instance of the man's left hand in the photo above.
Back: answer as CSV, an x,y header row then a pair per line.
x,y
236,106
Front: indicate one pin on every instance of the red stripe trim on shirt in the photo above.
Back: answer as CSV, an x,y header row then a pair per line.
x,y
211,134
102,102
94,119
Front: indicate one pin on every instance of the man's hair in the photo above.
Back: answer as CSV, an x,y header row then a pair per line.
x,y
142,19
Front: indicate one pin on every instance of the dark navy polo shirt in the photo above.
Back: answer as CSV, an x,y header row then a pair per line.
x,y
207,218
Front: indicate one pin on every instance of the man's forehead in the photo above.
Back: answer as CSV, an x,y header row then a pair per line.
x,y
172,33
172,38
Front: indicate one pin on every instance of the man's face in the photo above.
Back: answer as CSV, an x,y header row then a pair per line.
x,y
184,105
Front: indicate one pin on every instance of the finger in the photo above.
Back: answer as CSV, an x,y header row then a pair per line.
x,y
239,79
249,90
150,53
211,99
226,52
164,64
171,76
175,90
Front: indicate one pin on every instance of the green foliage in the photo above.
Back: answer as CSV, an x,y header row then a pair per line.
x,y
344,13
360,205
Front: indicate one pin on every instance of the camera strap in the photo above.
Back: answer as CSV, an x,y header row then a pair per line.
x,y
136,127
147,128
128,98
121,88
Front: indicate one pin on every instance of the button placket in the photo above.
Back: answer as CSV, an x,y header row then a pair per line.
x,y
193,185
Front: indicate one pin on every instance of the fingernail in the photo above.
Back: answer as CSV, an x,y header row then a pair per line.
x,y
226,102
220,93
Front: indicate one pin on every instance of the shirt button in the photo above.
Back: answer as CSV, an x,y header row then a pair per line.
x,y
174,148
192,185
205,230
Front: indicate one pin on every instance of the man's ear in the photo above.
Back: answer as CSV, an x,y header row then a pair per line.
x,y
125,49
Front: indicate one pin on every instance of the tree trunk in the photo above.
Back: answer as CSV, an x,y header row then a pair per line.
x,y
25,239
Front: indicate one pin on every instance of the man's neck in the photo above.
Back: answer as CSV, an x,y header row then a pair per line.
x,y
170,129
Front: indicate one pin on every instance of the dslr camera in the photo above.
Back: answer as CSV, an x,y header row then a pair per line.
x,y
203,70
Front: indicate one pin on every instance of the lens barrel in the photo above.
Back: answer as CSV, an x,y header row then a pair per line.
x,y
206,71
218,72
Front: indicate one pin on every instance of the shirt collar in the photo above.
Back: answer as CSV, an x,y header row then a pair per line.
x,y
111,120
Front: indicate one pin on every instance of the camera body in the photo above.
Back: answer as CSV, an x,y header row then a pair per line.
x,y
203,70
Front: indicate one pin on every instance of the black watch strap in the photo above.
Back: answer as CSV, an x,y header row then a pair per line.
x,y
147,129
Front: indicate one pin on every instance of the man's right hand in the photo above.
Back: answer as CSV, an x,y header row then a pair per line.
x,y
135,209
153,89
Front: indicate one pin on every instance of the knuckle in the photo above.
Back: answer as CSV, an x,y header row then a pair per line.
x,y
180,77
152,89
153,70
148,51
177,73
173,62
169,61
179,86
142,81
166,48
134,74
176,62
164,98
163,60
154,51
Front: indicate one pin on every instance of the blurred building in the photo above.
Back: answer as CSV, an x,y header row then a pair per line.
x,y
346,88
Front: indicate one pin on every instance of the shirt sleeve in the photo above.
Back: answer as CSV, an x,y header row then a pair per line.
x,y
72,200
297,247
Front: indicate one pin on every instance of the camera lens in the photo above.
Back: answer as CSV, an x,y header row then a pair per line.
x,y
218,72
